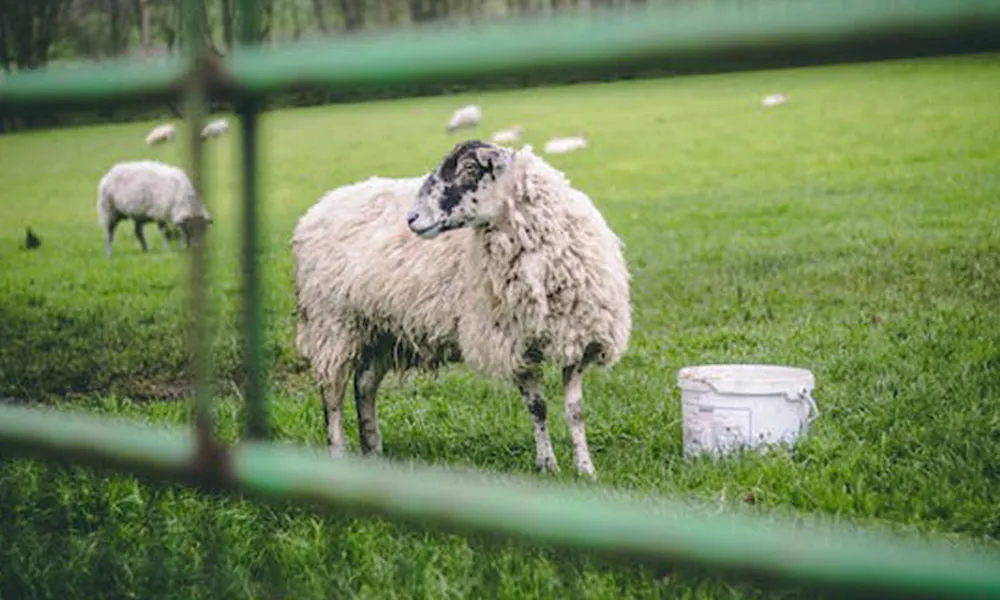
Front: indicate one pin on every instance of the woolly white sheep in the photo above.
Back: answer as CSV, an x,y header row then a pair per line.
x,y
215,129
528,273
160,134
507,136
562,145
145,191
773,100
467,117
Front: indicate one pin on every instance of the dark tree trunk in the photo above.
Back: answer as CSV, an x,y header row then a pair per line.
x,y
140,8
115,17
168,23
428,10
5,37
29,28
144,24
296,22
265,16
519,7
48,22
198,29
226,7
320,12
354,14
22,36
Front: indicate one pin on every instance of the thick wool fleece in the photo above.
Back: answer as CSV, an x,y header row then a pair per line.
x,y
548,282
148,190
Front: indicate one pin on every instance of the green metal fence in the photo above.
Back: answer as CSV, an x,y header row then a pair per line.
x,y
703,36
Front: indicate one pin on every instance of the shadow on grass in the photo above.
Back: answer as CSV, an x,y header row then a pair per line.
x,y
70,532
53,350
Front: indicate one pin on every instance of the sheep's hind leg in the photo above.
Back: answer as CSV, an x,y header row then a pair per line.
x,y
109,235
367,378
139,235
573,390
332,390
530,385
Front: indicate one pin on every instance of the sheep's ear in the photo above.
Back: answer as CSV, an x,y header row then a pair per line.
x,y
491,158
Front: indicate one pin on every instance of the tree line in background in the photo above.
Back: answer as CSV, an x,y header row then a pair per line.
x,y
34,33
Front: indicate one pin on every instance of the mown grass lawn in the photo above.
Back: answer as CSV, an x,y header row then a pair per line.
x,y
853,231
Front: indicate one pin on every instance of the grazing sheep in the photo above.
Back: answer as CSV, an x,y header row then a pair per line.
x,y
467,117
773,100
160,134
215,129
528,273
565,144
507,136
147,191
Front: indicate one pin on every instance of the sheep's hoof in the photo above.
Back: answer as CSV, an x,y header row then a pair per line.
x,y
547,464
585,467
375,452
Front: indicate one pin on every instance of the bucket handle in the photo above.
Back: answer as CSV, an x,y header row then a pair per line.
x,y
805,396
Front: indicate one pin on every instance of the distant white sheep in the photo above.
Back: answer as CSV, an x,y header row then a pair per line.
x,y
215,129
562,145
528,273
773,100
467,117
160,134
147,191
507,136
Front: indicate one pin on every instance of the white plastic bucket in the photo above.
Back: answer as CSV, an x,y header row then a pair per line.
x,y
730,407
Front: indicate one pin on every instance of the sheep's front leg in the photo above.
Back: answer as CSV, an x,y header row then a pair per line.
x,y
165,233
367,378
573,390
332,390
530,385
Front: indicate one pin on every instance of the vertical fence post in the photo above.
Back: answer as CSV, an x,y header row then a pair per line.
x,y
200,342
248,108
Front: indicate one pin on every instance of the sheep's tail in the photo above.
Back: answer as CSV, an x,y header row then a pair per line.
x,y
104,203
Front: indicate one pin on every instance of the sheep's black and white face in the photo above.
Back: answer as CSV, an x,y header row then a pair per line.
x,y
460,192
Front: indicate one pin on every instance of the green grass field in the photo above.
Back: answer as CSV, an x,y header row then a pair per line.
x,y
853,231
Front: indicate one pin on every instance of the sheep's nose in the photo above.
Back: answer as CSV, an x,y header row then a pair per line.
x,y
411,217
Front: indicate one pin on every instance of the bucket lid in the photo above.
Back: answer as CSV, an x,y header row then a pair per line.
x,y
747,379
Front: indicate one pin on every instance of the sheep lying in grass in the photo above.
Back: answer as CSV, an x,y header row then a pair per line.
x,y
215,129
528,273
160,134
147,191
773,100
467,117
507,136
562,145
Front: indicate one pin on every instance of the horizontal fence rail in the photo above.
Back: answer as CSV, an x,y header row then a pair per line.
x,y
704,37
843,561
